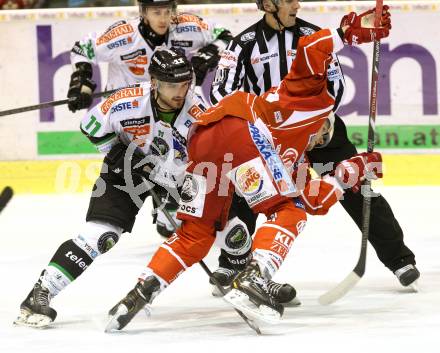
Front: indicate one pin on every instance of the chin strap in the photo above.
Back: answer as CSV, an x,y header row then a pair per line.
x,y
277,18
152,38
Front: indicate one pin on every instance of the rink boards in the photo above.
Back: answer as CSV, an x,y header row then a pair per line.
x,y
75,176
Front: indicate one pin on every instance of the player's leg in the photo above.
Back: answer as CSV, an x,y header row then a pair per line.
x,y
111,212
385,236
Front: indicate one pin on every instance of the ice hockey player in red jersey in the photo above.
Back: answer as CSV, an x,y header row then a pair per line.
x,y
252,135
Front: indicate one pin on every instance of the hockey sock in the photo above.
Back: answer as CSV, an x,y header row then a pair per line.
x,y
66,265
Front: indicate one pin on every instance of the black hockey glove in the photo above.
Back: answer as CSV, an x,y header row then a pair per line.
x,y
81,87
115,161
204,60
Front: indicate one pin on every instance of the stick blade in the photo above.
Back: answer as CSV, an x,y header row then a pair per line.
x,y
340,290
5,197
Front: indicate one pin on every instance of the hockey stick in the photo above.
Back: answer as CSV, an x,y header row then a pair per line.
x,y
5,197
158,201
49,104
353,277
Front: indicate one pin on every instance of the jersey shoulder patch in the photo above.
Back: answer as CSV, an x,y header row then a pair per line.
x,y
247,36
118,29
306,28
187,18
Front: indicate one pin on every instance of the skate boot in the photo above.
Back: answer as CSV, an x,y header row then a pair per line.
x,y
283,293
124,311
408,276
35,310
224,277
251,295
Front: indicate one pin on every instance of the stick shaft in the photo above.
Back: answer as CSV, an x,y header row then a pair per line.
x,y
48,104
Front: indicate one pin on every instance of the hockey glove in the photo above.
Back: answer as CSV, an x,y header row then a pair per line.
x,y
352,172
205,59
81,87
361,27
115,160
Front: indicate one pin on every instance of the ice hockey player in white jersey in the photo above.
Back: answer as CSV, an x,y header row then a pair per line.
x,y
128,45
151,119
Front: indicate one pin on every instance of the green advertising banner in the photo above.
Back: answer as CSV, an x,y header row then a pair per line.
x,y
387,137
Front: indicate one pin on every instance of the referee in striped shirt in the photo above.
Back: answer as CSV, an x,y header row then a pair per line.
x,y
259,58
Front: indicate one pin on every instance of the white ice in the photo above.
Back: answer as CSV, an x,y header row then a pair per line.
x,y
378,315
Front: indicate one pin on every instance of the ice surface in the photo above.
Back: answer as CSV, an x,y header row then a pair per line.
x,y
378,315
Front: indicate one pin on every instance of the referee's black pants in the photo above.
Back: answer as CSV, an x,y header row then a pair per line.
x,y
385,236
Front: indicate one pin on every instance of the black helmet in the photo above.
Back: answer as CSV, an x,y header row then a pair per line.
x,y
148,3
260,4
169,65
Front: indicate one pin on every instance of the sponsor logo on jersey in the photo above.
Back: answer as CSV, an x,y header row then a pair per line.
x,y
189,28
119,43
249,180
298,203
134,55
136,61
263,58
289,158
121,94
179,150
159,147
188,123
291,52
334,74
114,33
190,188
135,122
279,172
114,25
182,43
252,181
124,106
195,111
247,36
229,56
278,117
138,133
300,226
192,197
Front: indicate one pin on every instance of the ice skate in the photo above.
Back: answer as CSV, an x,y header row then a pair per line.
x,y
224,277
35,310
408,276
250,294
124,311
283,293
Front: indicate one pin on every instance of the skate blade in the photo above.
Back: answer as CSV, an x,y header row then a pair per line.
x,y
414,286
293,303
263,313
113,324
32,320
216,292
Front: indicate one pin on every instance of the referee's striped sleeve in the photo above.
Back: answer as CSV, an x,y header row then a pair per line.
x,y
230,72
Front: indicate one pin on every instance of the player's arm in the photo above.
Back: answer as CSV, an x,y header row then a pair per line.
x,y
96,126
230,72
318,195
92,49
206,58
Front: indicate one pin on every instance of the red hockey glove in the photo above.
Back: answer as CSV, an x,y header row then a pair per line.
x,y
351,172
321,194
361,27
